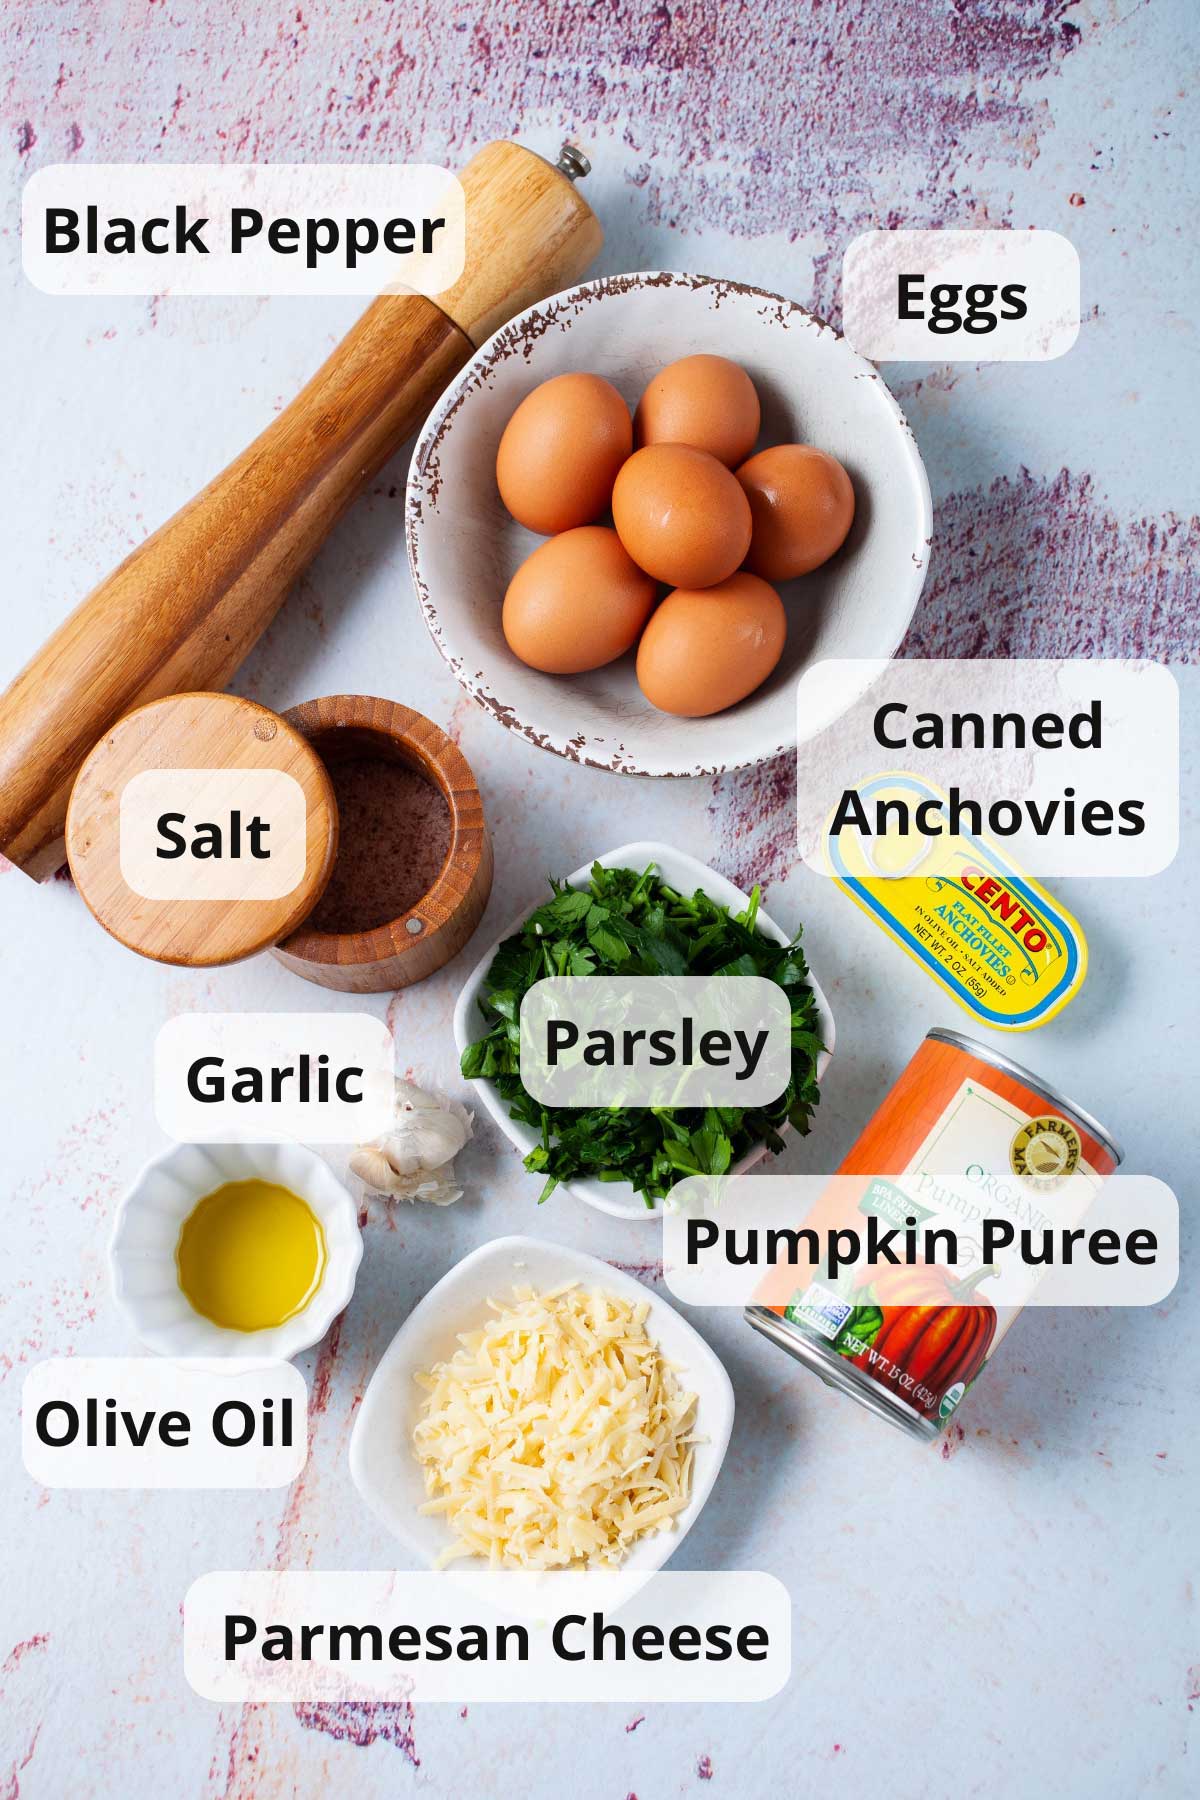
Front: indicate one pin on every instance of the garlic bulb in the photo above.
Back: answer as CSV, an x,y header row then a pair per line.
x,y
415,1159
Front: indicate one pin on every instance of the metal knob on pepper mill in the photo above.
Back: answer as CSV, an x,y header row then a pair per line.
x,y
181,613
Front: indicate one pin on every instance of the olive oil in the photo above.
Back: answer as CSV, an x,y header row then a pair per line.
x,y
250,1255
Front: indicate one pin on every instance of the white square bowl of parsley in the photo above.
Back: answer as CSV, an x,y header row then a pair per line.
x,y
669,914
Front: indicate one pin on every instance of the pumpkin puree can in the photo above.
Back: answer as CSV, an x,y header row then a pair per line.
x,y
962,1123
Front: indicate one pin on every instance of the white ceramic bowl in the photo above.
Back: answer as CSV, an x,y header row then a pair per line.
x,y
464,547
685,874
383,1465
142,1251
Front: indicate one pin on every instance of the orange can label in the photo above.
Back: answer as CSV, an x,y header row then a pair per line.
x,y
963,1134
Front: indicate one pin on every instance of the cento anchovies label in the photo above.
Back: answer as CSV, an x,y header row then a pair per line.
x,y
990,935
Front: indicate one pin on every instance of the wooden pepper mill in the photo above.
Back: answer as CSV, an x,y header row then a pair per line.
x,y
181,613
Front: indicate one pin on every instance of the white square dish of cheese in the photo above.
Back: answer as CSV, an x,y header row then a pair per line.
x,y
383,1462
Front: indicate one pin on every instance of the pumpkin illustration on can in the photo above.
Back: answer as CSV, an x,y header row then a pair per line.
x,y
908,1340
926,1330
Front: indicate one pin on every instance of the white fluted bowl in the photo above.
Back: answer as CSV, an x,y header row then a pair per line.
x,y
141,1255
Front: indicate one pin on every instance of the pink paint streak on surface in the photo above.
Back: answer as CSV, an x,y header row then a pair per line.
x,y
79,1173
11,1789
710,133
1036,567
650,1272
19,1651
252,1741
753,816
952,1441
362,1723
10,1781
1029,567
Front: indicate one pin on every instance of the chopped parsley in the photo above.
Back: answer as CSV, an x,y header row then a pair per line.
x,y
631,924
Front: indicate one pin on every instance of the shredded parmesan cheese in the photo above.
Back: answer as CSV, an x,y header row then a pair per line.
x,y
557,1435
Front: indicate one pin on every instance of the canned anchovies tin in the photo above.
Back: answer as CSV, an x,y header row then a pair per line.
x,y
911,1353
1001,946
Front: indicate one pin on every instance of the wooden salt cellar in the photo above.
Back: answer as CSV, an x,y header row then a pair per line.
x,y
408,948
223,731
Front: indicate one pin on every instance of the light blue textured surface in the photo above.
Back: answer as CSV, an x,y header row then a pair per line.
x,y
1011,1618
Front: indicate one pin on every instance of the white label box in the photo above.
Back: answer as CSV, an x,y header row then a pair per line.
x,y
213,834
155,1422
243,228
741,1240
961,296
320,1077
656,1040
1070,764
289,1635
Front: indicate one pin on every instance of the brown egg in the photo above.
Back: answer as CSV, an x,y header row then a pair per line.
x,y
560,452
803,505
707,648
705,401
681,515
577,602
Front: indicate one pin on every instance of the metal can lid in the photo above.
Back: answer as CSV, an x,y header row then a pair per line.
x,y
1055,1096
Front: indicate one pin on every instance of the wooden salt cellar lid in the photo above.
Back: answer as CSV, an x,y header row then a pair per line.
x,y
198,732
